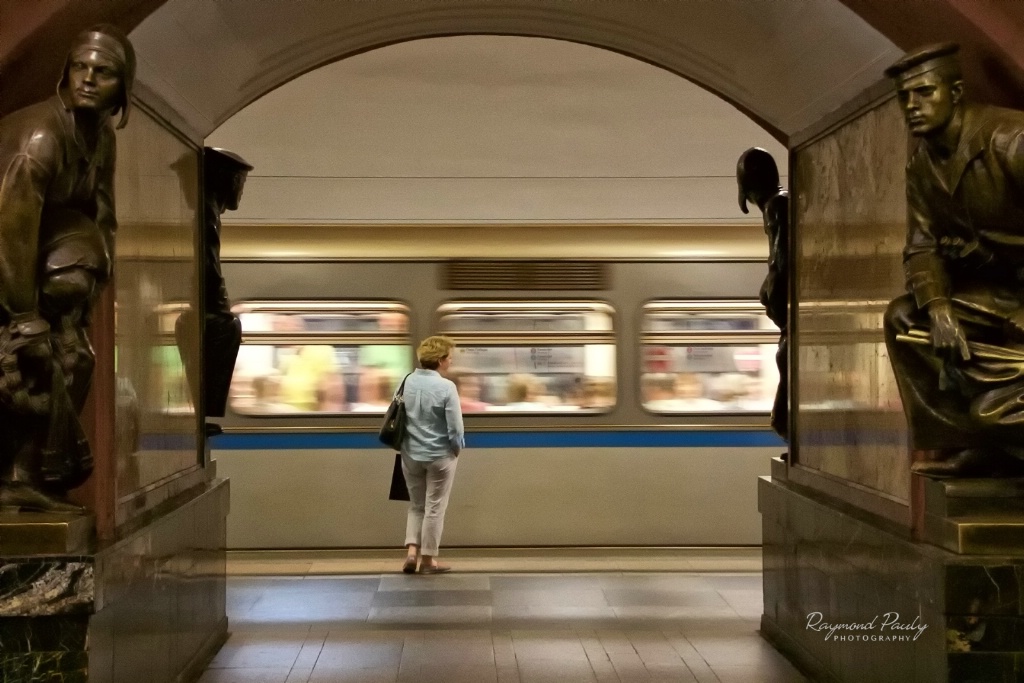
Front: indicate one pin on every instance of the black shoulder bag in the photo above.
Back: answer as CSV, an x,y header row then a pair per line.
x,y
392,433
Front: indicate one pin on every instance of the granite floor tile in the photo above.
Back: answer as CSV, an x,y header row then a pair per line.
x,y
310,652
246,675
299,675
432,598
240,652
361,650
324,674
696,663
510,615
416,582
544,582
611,627
555,645
430,616
642,597
449,647
508,674
448,673
751,651
550,598
757,674
555,671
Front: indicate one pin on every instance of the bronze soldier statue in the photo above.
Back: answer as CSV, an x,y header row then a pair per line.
x,y
956,341
758,179
224,179
57,227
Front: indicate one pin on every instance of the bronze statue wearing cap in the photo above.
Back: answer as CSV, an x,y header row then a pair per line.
x,y
57,227
956,340
224,179
757,177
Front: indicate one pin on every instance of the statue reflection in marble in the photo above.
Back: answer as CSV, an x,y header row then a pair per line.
x,y
758,179
57,227
224,174
956,340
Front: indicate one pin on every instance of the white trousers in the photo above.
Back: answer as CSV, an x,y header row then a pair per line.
x,y
430,484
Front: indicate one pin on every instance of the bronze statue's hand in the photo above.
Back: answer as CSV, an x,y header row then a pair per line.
x,y
947,334
25,366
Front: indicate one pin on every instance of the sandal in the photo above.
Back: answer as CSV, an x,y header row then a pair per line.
x,y
435,569
410,565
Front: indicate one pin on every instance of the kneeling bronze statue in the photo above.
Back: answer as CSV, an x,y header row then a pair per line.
x,y
956,340
57,227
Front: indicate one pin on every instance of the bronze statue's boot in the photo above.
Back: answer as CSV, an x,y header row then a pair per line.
x,y
213,429
25,498
970,462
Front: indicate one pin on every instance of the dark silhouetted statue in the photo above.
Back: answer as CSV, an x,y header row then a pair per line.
x,y
57,227
758,180
956,341
224,175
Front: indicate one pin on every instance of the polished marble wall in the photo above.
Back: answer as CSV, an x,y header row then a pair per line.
x,y
149,607
821,559
156,424
160,596
849,216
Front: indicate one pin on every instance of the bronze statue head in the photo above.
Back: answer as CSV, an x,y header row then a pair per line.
x,y
929,86
757,177
99,72
225,174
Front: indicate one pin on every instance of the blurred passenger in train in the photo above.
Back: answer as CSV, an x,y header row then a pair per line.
x,y
469,388
434,440
729,390
302,372
524,393
657,390
689,394
330,395
598,392
374,391
266,391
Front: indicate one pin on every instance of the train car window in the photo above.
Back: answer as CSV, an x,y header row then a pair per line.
x,y
708,357
302,358
532,356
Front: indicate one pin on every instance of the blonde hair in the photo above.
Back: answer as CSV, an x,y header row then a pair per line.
x,y
433,350
522,388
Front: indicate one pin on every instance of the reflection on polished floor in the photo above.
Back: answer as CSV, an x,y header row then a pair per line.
x,y
552,616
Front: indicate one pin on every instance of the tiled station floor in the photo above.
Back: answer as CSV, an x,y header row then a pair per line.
x,y
501,616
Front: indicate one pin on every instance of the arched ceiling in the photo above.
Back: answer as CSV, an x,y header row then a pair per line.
x,y
475,129
786,64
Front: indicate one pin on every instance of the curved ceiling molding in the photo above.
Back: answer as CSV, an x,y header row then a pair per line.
x,y
785,64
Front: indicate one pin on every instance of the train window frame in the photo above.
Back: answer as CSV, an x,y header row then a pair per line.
x,y
536,338
333,338
696,338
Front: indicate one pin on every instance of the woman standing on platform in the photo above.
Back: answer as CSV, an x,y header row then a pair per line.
x,y
435,436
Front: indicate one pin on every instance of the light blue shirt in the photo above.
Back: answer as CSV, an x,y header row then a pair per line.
x,y
434,418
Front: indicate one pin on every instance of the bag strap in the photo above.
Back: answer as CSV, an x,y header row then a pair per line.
x,y
401,387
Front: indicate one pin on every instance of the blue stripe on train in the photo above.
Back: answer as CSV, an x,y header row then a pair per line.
x,y
567,439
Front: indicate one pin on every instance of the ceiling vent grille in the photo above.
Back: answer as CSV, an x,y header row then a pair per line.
x,y
534,275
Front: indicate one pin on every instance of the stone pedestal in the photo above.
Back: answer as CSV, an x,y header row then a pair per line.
x,y
149,607
954,604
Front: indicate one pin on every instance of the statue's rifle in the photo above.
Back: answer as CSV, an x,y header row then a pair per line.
x,y
980,350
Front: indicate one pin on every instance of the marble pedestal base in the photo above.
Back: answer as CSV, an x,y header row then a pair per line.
x,y
148,608
42,533
823,558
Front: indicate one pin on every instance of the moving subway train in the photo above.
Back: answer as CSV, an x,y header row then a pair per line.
x,y
615,381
